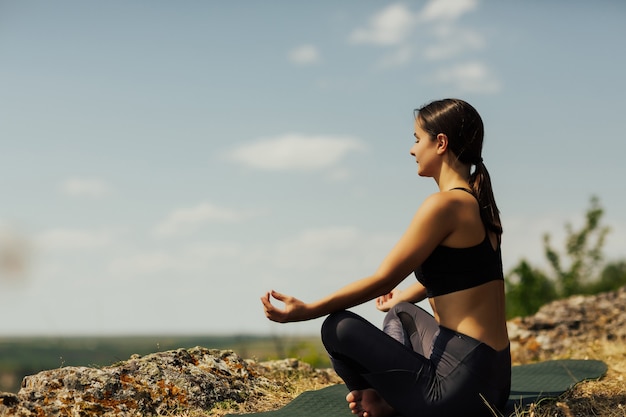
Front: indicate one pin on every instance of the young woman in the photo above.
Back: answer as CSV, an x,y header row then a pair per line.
x,y
457,362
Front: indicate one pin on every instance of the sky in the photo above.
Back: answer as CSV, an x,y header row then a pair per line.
x,y
163,164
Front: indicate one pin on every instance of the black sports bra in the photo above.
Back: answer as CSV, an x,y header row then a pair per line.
x,y
447,270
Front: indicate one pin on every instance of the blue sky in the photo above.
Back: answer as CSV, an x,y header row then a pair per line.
x,y
164,164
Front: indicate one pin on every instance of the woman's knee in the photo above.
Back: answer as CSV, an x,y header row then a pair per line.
x,y
402,307
405,306
338,327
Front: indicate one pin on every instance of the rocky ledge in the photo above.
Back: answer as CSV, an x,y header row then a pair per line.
x,y
565,328
157,384
200,379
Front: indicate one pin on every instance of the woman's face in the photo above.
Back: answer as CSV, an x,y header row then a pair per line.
x,y
424,150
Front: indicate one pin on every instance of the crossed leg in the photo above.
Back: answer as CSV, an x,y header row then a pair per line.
x,y
381,373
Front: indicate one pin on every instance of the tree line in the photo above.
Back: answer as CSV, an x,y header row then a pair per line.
x,y
578,268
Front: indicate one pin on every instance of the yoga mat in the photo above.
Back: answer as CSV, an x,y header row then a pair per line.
x,y
529,383
536,381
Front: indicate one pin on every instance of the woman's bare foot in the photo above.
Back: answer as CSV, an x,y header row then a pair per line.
x,y
367,403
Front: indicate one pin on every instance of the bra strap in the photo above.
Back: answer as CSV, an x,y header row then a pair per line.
x,y
467,190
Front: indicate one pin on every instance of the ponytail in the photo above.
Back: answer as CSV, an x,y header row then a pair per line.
x,y
480,182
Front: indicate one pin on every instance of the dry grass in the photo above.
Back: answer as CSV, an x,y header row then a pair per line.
x,y
605,397
288,386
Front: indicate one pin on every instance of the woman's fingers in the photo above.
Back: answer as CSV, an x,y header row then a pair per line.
x,y
279,296
385,302
272,312
293,310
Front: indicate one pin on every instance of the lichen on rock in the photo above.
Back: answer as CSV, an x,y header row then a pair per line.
x,y
560,328
154,384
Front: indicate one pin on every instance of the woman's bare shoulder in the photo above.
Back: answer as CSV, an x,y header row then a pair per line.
x,y
443,201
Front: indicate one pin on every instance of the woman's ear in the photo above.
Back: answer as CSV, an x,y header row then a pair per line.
x,y
442,143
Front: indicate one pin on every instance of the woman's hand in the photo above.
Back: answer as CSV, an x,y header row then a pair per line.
x,y
294,310
385,302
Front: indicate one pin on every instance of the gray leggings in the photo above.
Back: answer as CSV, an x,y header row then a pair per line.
x,y
417,366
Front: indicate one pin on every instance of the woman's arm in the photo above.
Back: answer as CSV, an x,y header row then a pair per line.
x,y
432,223
351,295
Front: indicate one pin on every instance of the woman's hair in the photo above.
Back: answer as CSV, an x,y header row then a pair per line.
x,y
462,124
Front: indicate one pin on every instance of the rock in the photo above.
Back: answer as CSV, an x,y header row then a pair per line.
x,y
8,399
563,327
155,384
287,366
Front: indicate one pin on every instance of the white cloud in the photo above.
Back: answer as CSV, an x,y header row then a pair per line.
x,y
324,249
295,151
185,220
473,77
452,42
315,247
191,258
305,55
73,239
143,263
397,58
447,9
86,187
391,26
330,251
322,259
394,27
339,174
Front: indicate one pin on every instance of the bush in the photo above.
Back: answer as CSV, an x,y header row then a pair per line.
x,y
579,269
527,290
